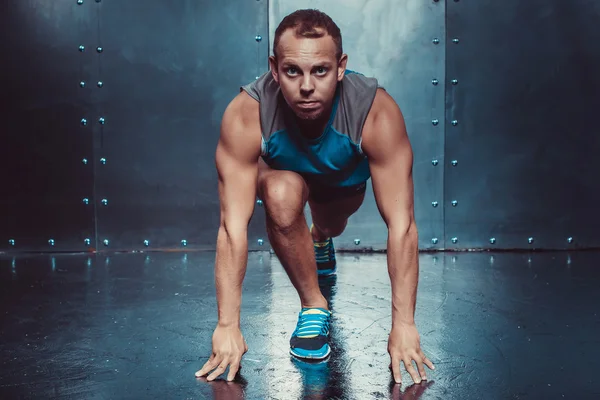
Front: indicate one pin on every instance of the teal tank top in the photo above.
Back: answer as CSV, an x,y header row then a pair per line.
x,y
334,159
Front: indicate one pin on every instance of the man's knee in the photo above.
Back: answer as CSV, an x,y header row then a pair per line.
x,y
284,195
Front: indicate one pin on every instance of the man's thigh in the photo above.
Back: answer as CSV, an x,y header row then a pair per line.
x,y
332,210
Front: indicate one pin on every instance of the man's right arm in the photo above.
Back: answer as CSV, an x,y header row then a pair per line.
x,y
237,156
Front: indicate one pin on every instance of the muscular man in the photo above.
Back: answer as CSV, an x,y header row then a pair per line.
x,y
312,131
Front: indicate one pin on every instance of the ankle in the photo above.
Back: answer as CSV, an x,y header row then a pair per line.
x,y
320,303
317,235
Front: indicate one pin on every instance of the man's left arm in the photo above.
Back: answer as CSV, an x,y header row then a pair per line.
x,y
387,146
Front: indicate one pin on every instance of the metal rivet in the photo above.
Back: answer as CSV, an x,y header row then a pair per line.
x,y
258,38
570,240
51,242
455,40
453,259
106,242
104,202
530,240
84,161
184,242
434,240
101,120
435,82
260,242
83,121
86,201
492,240
454,163
434,203
82,84
455,81
529,259
454,122
436,41
492,259
454,203
146,243
11,242
259,202
435,121
435,162
569,259
80,2
99,49
454,240
81,48
357,241
87,242
103,161
100,84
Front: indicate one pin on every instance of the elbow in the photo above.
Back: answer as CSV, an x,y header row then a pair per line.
x,y
404,228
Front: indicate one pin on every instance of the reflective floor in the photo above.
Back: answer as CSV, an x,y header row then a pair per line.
x,y
134,326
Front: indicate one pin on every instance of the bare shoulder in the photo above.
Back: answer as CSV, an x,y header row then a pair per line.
x,y
244,110
384,122
240,126
384,107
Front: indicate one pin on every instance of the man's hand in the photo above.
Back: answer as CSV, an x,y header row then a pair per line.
x,y
404,345
228,347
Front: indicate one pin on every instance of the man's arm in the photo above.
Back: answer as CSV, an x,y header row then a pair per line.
x,y
387,146
237,156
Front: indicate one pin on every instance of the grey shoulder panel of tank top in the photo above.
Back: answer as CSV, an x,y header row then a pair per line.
x,y
266,91
356,98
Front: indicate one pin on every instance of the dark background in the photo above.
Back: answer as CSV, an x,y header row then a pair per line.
x,y
525,104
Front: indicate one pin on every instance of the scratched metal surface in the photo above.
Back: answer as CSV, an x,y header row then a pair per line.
x,y
393,41
130,326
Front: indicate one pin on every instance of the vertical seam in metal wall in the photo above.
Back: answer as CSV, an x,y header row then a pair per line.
x,y
268,33
445,153
94,172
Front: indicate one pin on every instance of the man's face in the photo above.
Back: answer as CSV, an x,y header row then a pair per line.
x,y
307,72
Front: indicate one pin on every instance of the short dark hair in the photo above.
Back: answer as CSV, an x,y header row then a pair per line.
x,y
306,24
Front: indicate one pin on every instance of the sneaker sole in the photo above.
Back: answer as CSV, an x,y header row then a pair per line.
x,y
310,356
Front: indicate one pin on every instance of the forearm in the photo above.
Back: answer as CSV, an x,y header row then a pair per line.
x,y
403,268
230,269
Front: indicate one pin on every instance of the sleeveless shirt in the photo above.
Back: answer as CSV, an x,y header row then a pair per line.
x,y
333,159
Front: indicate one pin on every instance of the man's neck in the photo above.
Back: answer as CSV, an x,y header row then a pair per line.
x,y
312,129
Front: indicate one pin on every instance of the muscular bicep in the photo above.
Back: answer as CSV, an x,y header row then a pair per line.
x,y
236,158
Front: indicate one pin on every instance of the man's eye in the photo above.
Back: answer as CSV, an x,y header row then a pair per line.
x,y
321,70
291,71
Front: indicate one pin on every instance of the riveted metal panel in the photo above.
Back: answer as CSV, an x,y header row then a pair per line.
x,y
401,44
522,124
169,71
46,152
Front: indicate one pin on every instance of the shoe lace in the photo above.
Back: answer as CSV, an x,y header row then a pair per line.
x,y
312,325
323,251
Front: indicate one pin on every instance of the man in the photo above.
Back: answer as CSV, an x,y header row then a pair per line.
x,y
311,131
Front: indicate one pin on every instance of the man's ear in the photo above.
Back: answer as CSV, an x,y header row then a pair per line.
x,y
273,67
342,66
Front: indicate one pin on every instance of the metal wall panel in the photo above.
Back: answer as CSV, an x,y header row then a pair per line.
x,y
43,145
401,44
169,71
522,124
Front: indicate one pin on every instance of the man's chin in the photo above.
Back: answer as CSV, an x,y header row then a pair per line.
x,y
308,115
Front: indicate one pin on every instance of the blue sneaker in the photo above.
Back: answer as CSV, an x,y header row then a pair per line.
x,y
310,340
325,256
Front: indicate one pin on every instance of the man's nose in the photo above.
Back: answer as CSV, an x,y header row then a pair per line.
x,y
307,84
